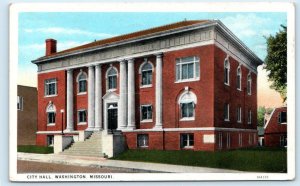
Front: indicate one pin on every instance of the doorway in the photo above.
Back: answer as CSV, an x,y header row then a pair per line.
x,y
112,113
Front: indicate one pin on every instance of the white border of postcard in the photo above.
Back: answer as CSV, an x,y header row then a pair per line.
x,y
289,8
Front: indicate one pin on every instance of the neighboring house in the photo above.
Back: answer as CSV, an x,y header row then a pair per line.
x,y
276,128
27,115
187,85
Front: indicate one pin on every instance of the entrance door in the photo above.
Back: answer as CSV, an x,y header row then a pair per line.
x,y
112,113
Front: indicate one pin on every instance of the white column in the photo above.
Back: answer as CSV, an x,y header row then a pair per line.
x,y
70,119
131,95
98,98
158,92
91,99
122,103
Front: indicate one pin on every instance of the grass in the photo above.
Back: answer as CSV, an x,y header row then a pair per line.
x,y
253,160
35,149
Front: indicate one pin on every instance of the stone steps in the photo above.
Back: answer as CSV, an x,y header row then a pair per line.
x,y
92,146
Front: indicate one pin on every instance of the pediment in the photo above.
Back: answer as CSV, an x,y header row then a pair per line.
x,y
111,96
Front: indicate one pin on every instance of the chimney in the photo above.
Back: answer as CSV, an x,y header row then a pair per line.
x,y
50,46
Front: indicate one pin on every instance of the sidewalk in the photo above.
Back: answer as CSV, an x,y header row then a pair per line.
x,y
121,165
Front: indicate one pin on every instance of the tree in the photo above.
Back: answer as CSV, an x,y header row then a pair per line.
x,y
276,61
261,111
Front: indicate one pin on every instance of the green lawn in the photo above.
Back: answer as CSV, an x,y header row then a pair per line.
x,y
35,149
256,159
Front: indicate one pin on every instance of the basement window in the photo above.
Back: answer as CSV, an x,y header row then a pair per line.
x,y
186,140
142,140
50,141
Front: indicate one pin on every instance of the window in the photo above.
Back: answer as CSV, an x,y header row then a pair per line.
x,y
226,71
187,102
249,82
240,139
187,140
283,141
81,116
82,82
187,68
50,141
220,140
112,78
226,112
239,78
146,71
249,117
239,114
146,112
282,118
51,110
228,140
20,103
50,87
143,140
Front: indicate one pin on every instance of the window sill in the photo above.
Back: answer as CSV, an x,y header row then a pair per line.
x,y
227,84
282,123
49,96
187,80
111,90
81,123
239,89
226,120
50,124
143,147
81,93
146,121
249,123
187,147
239,122
146,86
187,119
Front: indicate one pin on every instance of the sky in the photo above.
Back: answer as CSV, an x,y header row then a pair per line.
x,y
73,29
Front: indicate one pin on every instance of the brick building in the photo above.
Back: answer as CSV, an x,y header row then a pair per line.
x,y
186,85
275,134
27,115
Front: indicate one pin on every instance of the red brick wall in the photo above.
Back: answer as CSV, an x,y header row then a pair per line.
x,y
229,94
80,100
171,140
59,101
203,88
41,140
144,95
274,130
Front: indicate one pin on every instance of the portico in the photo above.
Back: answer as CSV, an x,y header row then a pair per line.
x,y
125,101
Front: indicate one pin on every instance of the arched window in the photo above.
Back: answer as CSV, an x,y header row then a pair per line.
x,y
51,112
111,78
82,82
239,78
226,71
187,102
146,74
249,82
